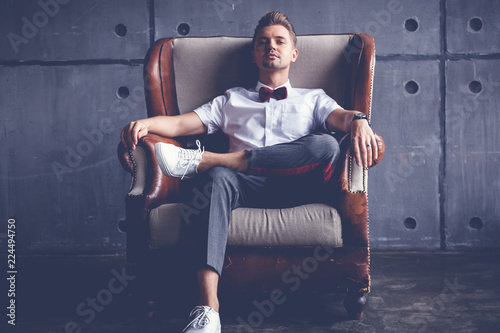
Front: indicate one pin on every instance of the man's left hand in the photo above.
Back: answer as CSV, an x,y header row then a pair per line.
x,y
363,143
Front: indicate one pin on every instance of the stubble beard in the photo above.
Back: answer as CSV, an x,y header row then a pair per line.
x,y
272,64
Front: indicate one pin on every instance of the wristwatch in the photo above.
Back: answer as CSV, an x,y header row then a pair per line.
x,y
359,116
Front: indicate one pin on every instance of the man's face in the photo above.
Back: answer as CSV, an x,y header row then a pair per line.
x,y
274,49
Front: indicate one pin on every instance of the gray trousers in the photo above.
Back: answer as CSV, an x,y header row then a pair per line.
x,y
283,175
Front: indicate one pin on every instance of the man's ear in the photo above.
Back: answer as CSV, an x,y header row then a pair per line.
x,y
295,54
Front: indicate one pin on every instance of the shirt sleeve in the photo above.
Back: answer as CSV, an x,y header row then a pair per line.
x,y
324,106
211,113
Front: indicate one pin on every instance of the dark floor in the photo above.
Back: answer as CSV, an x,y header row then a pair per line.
x,y
411,292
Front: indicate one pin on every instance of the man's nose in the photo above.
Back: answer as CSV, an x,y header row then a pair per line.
x,y
271,45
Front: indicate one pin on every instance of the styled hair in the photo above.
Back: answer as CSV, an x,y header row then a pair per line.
x,y
275,18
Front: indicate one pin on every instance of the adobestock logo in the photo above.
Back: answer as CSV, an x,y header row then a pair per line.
x,y
30,28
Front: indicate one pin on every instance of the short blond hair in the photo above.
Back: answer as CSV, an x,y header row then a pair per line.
x,y
275,18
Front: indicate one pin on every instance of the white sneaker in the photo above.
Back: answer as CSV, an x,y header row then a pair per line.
x,y
206,320
178,162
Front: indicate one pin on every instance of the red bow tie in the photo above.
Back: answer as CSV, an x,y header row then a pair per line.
x,y
265,94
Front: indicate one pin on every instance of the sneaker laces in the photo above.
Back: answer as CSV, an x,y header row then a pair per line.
x,y
201,320
187,157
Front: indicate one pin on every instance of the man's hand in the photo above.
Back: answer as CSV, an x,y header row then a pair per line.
x,y
363,143
133,132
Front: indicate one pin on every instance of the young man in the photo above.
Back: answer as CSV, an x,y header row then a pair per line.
x,y
275,133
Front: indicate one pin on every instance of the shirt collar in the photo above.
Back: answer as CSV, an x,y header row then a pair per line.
x,y
287,85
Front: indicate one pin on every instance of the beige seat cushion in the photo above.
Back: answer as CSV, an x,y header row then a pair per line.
x,y
307,225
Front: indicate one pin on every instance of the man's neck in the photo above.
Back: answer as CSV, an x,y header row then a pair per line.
x,y
273,79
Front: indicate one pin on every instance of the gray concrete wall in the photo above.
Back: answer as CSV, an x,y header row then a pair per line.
x,y
64,66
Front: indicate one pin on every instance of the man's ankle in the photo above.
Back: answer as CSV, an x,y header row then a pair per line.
x,y
243,162
213,304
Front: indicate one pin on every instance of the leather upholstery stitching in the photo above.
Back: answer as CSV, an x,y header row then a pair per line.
x,y
134,172
372,73
139,165
161,79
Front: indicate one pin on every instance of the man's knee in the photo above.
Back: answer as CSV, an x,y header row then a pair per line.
x,y
223,176
323,139
323,145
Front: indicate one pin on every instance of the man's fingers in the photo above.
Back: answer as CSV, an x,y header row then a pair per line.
x,y
138,131
126,137
365,152
134,135
130,134
355,151
368,155
358,152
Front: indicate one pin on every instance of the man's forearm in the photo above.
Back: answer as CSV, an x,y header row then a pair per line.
x,y
161,125
340,120
173,126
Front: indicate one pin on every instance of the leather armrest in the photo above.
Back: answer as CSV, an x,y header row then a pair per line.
x,y
150,188
124,157
147,179
353,198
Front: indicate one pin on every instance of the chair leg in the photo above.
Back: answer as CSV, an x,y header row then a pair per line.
x,y
355,303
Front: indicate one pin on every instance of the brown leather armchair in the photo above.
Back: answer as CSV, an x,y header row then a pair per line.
x,y
329,241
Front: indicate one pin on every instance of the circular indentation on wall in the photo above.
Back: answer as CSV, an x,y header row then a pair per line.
x,y
183,29
411,87
476,223
410,223
123,92
411,25
121,30
122,225
475,24
475,87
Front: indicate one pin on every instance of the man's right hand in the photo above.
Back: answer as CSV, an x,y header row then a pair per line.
x,y
133,132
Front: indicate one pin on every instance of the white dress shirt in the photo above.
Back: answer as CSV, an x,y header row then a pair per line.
x,y
250,123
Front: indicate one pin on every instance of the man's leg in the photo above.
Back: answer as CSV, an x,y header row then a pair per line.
x,y
297,157
312,152
228,189
236,161
231,189
300,156
208,282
